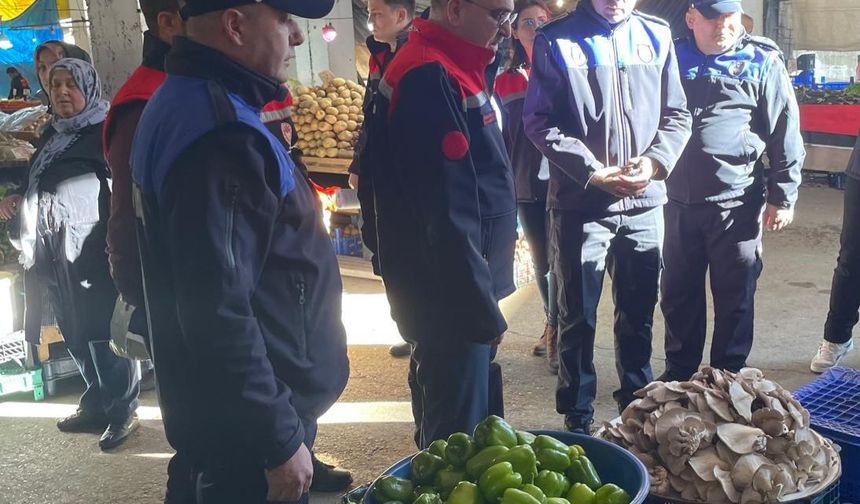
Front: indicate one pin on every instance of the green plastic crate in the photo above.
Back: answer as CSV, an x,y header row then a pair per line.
x,y
28,381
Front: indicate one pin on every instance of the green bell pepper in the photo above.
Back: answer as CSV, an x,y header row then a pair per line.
x,y
553,460
552,454
543,441
575,451
465,493
535,492
611,494
392,488
524,437
524,461
424,467
557,500
552,484
494,431
497,479
428,498
476,465
582,471
447,479
579,493
514,496
426,489
438,448
461,447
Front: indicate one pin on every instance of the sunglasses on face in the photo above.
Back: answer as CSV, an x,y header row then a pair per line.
x,y
502,16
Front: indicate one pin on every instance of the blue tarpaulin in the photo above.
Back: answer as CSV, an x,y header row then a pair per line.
x,y
38,23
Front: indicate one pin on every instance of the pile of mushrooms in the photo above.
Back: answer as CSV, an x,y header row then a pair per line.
x,y
725,438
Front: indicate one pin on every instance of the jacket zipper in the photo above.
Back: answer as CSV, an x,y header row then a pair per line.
x,y
301,287
231,217
619,104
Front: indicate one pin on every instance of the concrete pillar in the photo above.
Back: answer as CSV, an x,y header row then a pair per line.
x,y
316,55
81,31
115,32
755,9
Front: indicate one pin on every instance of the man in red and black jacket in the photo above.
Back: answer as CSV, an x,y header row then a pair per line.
x,y
445,208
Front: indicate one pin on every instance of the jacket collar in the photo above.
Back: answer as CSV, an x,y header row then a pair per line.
x,y
469,57
154,51
191,59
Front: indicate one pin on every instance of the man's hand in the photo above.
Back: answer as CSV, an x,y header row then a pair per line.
x,y
353,180
292,479
9,206
777,219
498,341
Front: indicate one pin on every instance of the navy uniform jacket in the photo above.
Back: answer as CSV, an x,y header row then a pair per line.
x,y
600,95
242,284
440,173
853,169
743,107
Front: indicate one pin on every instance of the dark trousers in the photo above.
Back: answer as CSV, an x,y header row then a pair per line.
x,y
845,292
629,246
535,221
83,296
454,386
228,478
724,238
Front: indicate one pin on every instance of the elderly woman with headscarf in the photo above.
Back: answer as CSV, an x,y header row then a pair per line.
x,y
64,213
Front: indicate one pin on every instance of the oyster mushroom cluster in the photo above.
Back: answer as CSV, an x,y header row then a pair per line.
x,y
725,438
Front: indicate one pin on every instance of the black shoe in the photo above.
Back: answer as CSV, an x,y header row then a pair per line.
x,y
328,478
400,350
669,376
147,382
577,426
117,433
82,421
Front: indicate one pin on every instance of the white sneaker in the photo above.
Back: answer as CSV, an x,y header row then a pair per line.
x,y
829,354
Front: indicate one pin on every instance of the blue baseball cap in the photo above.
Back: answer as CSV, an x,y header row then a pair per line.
x,y
713,9
310,9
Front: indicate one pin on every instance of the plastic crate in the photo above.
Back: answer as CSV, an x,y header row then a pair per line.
x,y
13,347
833,401
347,245
27,381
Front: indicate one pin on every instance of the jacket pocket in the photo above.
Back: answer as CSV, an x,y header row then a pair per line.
x,y
299,287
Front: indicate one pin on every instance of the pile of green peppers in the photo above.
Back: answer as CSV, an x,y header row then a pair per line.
x,y
499,465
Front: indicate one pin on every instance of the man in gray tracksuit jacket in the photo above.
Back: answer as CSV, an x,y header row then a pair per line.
x,y
605,105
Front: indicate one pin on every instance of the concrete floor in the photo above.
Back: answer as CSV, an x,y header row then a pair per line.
x,y
370,428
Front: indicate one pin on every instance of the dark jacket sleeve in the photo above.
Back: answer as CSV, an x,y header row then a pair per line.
x,y
441,182
218,215
361,142
675,120
548,88
123,253
785,143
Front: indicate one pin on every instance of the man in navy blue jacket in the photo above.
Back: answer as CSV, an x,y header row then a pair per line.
x,y
445,209
235,259
606,107
743,107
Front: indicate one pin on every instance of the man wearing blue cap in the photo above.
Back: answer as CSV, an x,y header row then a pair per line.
x,y
235,259
721,195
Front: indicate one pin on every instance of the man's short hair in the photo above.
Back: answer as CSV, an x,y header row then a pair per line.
x,y
409,5
11,70
152,8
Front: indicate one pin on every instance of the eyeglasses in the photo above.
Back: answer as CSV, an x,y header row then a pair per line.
x,y
501,16
533,23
